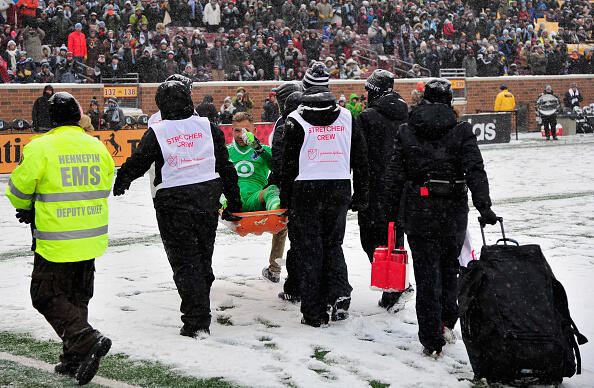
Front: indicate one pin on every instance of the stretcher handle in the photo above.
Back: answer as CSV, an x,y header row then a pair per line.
x,y
500,220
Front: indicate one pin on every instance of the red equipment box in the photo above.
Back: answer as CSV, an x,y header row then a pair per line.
x,y
389,267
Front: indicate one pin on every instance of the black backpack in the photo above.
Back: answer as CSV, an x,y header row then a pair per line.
x,y
515,318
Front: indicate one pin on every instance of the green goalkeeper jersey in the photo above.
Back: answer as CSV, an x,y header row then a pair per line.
x,y
252,169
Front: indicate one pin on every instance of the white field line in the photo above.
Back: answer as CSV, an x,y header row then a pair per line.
x,y
44,366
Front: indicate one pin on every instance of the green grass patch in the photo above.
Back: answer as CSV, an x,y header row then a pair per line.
x,y
15,254
476,383
378,384
266,322
264,339
319,353
224,320
13,374
223,307
289,383
271,345
325,374
113,366
125,241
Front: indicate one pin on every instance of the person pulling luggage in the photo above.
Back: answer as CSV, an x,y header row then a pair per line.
x,y
435,160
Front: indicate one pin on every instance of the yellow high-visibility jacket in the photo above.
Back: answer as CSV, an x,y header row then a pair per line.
x,y
67,176
505,101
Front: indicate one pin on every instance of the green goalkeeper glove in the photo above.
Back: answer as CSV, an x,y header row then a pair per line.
x,y
252,141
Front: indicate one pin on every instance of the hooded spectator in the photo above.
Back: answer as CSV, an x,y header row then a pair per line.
x,y
227,111
208,110
149,68
114,116
41,111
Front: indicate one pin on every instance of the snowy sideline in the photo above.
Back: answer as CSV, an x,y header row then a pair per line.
x,y
544,191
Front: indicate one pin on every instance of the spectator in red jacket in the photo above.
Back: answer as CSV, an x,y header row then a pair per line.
x,y
77,43
4,76
27,9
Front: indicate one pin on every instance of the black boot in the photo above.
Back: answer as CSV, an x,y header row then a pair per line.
x,y
389,299
90,365
194,332
339,310
315,322
66,369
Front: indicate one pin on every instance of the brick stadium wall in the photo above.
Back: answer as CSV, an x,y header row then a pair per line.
x,y
16,101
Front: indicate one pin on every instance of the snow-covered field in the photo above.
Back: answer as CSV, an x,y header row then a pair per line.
x,y
544,191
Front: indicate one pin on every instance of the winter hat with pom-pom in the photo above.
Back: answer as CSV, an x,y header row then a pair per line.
x,y
316,76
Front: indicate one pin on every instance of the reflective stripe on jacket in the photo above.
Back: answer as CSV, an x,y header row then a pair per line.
x,y
67,175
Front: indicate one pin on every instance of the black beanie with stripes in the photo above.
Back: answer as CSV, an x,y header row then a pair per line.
x,y
316,76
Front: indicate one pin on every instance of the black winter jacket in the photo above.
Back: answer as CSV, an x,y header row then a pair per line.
x,y
379,124
434,143
148,152
294,136
41,115
271,112
208,110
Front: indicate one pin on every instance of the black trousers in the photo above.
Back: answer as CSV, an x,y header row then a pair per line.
x,y
61,293
316,228
293,282
436,266
373,232
189,237
550,126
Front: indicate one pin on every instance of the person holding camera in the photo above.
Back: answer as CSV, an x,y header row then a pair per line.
x,y
113,117
292,56
435,161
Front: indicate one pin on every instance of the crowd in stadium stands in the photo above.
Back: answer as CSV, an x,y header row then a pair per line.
x,y
101,41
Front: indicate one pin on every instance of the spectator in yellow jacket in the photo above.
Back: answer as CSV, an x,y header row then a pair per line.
x,y
505,101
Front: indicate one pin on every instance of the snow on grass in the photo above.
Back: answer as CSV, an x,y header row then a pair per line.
x,y
138,372
545,192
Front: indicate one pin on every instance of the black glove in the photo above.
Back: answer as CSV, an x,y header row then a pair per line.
x,y
358,203
119,188
488,216
25,216
227,215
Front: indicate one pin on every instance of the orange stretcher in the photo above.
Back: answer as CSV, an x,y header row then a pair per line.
x,y
268,221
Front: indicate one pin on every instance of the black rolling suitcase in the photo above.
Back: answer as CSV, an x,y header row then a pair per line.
x,y
514,316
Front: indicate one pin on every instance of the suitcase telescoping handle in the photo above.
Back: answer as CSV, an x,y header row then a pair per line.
x,y
504,239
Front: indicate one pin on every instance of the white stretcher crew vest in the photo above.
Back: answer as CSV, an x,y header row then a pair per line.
x,y
326,150
155,118
188,151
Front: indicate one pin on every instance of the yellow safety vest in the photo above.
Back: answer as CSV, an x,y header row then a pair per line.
x,y
67,175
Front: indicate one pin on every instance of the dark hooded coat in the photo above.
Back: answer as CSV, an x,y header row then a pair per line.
x,y
434,144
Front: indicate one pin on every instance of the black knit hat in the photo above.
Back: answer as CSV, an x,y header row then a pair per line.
x,y
316,76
